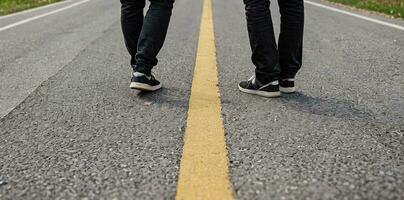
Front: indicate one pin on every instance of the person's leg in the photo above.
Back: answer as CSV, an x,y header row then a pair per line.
x,y
291,37
265,55
153,34
150,41
132,22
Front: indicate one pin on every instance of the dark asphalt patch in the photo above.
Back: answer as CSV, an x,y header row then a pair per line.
x,y
85,134
340,136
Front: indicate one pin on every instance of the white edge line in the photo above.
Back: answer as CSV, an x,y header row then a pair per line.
x,y
356,15
34,9
41,16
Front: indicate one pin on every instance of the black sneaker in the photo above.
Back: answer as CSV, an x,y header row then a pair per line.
x,y
253,86
287,85
143,82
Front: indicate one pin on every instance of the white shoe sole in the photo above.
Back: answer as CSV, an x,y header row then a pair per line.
x,y
260,93
287,89
144,87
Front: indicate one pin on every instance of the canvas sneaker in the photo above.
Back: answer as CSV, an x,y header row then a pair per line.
x,y
253,86
141,81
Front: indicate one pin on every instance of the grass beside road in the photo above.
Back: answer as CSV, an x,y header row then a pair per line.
x,y
10,6
393,8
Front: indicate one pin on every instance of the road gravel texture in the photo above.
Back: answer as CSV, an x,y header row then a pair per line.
x,y
72,129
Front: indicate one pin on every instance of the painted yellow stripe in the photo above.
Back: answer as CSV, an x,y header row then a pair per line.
x,y
204,163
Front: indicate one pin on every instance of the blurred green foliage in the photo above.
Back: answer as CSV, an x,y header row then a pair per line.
x,y
391,7
10,6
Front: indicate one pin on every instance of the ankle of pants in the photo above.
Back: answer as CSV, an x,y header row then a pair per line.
x,y
288,74
142,69
264,79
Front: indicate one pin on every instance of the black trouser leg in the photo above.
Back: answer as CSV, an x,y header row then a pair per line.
x,y
149,38
265,55
291,37
132,22
153,34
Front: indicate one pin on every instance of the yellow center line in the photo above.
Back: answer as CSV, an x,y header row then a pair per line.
x,y
204,163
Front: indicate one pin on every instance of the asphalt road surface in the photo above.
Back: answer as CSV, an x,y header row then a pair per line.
x,y
71,128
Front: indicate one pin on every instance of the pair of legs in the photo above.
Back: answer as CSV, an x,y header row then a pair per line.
x,y
144,35
274,62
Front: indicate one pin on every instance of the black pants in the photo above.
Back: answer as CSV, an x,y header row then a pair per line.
x,y
145,35
271,62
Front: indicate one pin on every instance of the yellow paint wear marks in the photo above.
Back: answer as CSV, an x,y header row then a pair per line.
x,y
204,163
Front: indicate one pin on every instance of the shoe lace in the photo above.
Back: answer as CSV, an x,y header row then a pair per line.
x,y
152,76
252,79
